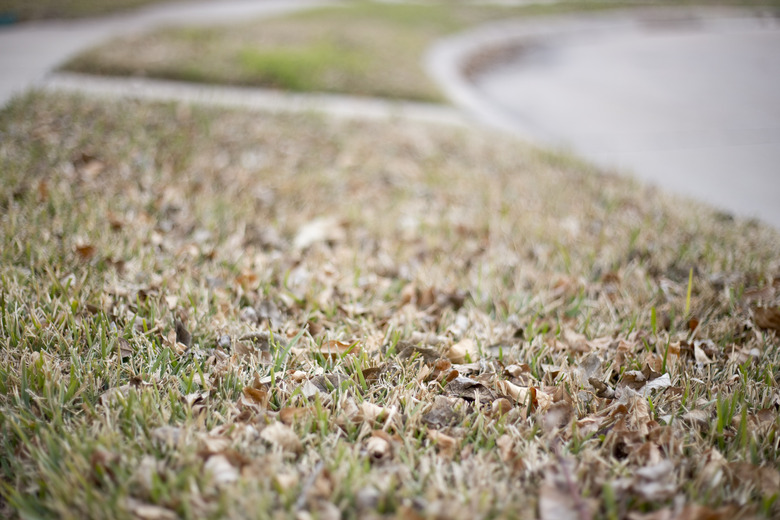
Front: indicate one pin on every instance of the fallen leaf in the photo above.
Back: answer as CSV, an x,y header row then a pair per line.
x,y
124,348
222,471
557,415
183,336
85,251
501,406
446,411
256,396
445,444
657,384
767,318
336,349
372,413
289,415
509,455
555,503
282,436
603,390
470,390
465,351
319,230
144,511
407,351
378,449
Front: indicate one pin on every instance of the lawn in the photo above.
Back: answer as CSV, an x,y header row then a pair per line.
x,y
360,47
228,314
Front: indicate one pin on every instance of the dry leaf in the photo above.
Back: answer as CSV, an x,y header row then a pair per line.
x,y
372,413
557,415
85,251
767,318
508,453
501,406
283,436
470,390
124,348
445,444
183,336
336,349
446,411
256,396
288,415
378,449
555,503
144,511
221,469
319,230
407,351
657,384
465,351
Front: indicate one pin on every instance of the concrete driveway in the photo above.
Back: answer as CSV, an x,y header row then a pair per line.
x,y
687,100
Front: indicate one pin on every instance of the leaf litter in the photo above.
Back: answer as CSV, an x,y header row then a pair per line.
x,y
338,332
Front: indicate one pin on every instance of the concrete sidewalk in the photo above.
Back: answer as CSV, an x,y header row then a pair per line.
x,y
30,51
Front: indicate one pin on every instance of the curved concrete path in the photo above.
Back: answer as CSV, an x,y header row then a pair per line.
x,y
29,51
688,100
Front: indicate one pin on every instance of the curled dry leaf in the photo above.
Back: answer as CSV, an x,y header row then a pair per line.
x,y
658,383
536,398
379,449
255,397
602,389
501,406
465,351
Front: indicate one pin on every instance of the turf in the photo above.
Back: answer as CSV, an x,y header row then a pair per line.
x,y
224,314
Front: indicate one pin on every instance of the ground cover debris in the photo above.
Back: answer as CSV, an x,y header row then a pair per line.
x,y
211,313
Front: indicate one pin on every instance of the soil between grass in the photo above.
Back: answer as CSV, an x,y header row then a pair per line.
x,y
224,314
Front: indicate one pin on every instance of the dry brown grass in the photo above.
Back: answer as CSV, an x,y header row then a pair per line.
x,y
510,326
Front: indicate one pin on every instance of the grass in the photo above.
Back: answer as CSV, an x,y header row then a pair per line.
x,y
361,48
25,10
222,314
